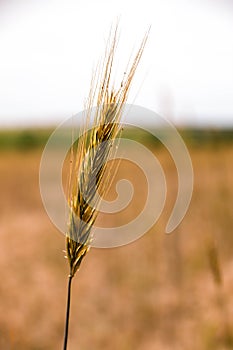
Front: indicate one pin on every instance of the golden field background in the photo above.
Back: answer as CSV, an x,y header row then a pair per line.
x,y
161,292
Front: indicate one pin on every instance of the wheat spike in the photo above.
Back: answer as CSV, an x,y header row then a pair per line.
x,y
88,167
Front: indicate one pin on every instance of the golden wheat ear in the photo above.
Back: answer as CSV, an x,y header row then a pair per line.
x,y
93,152
88,163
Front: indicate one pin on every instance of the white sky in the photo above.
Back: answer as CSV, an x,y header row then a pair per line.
x,y
48,49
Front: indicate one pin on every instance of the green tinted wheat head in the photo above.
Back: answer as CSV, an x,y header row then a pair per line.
x,y
88,163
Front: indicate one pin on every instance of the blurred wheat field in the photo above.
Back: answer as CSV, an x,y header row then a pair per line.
x,y
161,292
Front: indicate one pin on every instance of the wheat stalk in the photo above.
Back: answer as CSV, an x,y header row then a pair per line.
x,y
88,163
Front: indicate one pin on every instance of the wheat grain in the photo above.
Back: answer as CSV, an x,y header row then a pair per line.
x,y
94,148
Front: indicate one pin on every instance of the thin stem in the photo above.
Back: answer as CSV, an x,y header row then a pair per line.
x,y
67,312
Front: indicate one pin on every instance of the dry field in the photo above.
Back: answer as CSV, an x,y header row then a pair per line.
x,y
162,292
